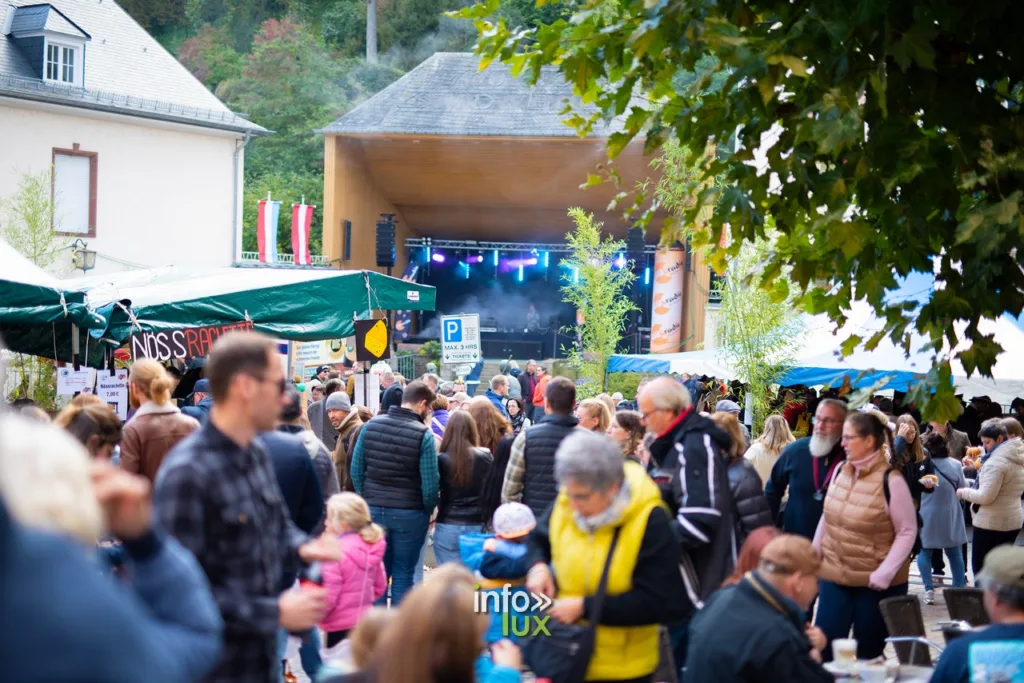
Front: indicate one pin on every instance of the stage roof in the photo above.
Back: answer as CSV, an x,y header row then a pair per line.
x,y
448,95
469,154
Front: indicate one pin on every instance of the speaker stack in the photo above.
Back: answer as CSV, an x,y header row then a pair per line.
x,y
386,255
635,251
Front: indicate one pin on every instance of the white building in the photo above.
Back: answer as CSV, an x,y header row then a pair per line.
x,y
147,162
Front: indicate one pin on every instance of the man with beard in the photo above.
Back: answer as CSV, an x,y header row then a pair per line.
x,y
807,466
348,424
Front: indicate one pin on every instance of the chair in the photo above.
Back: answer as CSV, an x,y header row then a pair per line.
x,y
966,604
903,619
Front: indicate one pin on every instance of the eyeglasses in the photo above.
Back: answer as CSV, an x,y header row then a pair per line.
x,y
280,384
826,421
847,439
644,416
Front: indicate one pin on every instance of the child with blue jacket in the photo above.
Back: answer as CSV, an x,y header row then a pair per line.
x,y
499,560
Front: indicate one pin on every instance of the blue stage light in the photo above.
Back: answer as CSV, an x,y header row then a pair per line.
x,y
620,262
547,259
495,259
520,272
647,275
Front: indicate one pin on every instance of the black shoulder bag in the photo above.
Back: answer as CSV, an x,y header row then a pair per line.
x,y
563,656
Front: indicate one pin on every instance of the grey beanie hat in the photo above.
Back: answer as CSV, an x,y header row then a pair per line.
x,y
339,400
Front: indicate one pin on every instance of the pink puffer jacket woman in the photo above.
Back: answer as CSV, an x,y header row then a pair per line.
x,y
353,582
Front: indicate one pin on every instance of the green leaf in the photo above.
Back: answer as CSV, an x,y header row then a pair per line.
x,y
850,344
593,180
795,64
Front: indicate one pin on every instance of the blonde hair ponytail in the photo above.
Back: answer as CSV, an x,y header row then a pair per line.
x,y
352,511
152,379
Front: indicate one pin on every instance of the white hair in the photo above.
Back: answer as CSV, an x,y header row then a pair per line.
x,y
45,480
589,459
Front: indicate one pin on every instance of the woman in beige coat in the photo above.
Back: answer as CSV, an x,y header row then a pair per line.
x,y
996,503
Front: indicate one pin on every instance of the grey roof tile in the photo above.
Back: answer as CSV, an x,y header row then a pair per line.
x,y
30,19
127,71
448,95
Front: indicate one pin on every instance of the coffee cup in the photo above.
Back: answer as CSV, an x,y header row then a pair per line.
x,y
844,651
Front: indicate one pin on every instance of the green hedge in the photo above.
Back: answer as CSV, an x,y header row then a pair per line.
x,y
626,383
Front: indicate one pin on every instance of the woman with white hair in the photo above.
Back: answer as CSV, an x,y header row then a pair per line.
x,y
56,503
607,504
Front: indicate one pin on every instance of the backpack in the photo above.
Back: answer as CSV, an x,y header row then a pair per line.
x,y
920,522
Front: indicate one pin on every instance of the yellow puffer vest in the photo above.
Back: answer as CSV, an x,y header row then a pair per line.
x,y
620,652
859,532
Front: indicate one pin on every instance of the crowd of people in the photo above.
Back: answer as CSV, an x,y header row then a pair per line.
x,y
214,533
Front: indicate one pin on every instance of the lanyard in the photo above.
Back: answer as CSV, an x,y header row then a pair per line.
x,y
820,487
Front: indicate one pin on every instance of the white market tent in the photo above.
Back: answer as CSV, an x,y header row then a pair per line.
x,y
819,362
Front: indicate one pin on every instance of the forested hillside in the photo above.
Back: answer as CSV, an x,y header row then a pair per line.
x,y
295,65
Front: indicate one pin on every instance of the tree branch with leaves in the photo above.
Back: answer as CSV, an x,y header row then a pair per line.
x,y
896,134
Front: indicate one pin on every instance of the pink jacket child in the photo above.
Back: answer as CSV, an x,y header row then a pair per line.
x,y
353,582
358,578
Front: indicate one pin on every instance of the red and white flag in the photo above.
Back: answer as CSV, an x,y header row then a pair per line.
x,y
266,230
302,219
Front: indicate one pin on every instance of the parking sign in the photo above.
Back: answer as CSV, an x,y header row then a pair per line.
x,y
460,338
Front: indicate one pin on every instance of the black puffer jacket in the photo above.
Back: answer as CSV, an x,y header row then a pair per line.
x,y
752,508
461,504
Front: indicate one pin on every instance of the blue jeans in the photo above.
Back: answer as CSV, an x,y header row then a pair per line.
x,y
446,541
956,566
309,652
841,607
405,531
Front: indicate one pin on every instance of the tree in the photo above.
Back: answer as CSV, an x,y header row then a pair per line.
x,y
598,294
30,218
27,222
290,85
287,188
760,332
210,57
883,137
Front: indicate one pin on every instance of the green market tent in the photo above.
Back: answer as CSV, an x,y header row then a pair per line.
x,y
28,294
287,303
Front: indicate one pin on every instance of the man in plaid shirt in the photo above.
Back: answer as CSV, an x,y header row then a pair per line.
x,y
217,494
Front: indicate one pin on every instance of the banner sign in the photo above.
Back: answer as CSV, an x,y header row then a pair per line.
x,y
667,303
113,389
403,319
191,342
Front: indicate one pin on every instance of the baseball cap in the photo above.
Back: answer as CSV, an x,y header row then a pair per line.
x,y
727,406
202,385
791,554
1004,566
339,400
323,368
513,520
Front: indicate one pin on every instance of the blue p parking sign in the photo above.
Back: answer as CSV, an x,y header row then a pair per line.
x,y
453,330
460,338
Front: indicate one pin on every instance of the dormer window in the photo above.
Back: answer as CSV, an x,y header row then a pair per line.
x,y
60,63
51,42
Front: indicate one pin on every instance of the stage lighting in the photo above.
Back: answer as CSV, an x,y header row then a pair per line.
x,y
620,262
575,275
478,258
437,258
647,275
547,259
465,269
520,272
495,258
428,254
